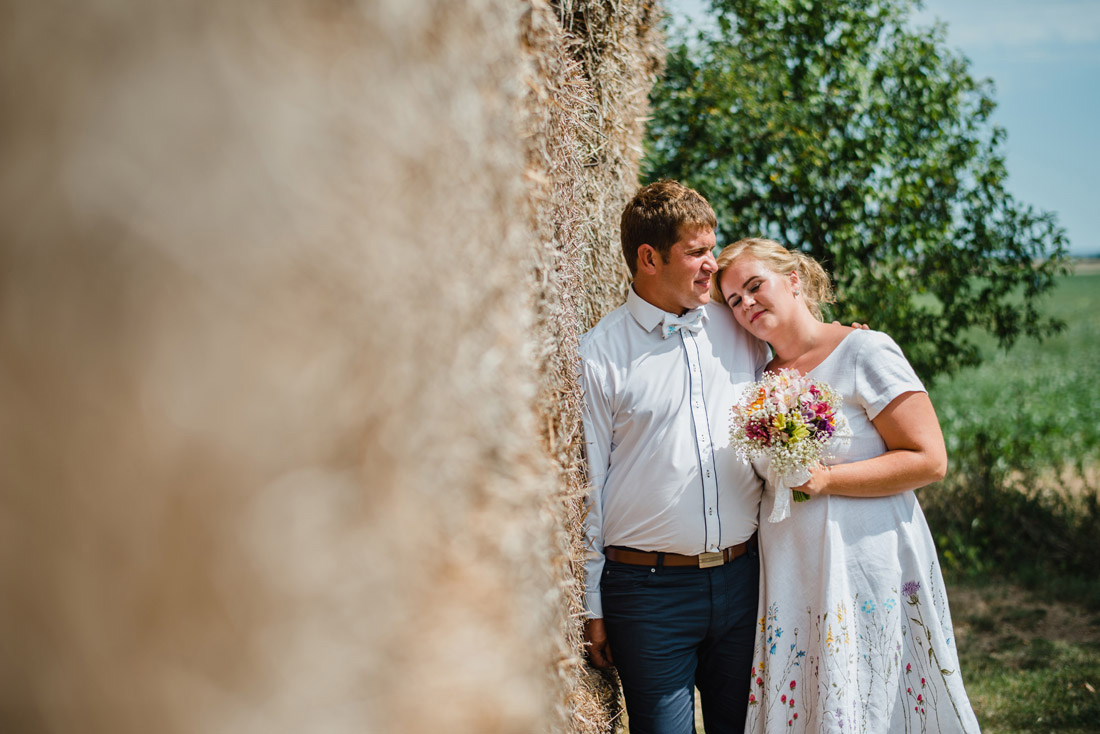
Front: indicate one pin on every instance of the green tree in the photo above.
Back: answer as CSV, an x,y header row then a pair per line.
x,y
839,128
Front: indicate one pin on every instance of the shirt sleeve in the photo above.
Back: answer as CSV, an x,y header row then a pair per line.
x,y
596,416
882,373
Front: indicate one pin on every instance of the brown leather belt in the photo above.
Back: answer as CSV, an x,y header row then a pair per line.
x,y
703,560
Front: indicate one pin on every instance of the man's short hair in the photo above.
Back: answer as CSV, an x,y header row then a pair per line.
x,y
659,215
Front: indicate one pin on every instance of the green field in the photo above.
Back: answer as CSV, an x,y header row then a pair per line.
x,y
1038,401
1017,521
1024,443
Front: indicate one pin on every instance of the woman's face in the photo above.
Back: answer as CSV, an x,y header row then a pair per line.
x,y
762,300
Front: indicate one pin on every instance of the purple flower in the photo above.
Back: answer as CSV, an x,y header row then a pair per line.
x,y
910,588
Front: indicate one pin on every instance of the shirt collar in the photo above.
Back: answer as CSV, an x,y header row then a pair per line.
x,y
648,316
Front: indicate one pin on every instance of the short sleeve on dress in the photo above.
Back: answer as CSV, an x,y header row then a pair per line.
x,y
882,372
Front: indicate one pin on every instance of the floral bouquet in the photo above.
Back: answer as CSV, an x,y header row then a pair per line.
x,y
789,419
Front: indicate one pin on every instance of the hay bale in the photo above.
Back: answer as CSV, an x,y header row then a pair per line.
x,y
558,130
622,52
593,69
267,464
290,296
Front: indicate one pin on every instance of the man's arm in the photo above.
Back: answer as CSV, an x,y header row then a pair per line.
x,y
596,418
595,637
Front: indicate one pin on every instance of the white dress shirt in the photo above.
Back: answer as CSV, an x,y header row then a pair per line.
x,y
656,424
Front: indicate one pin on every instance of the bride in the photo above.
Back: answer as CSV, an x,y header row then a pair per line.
x,y
855,633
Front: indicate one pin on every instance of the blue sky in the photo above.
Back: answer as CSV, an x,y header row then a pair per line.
x,y
1044,60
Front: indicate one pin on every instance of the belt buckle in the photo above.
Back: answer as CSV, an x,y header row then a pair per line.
x,y
709,560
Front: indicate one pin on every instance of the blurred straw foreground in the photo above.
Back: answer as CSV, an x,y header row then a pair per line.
x,y
289,302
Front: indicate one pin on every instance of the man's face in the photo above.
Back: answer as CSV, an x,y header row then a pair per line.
x,y
683,283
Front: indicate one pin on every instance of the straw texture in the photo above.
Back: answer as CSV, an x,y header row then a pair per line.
x,y
289,301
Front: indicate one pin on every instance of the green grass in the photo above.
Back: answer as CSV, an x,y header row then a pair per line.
x,y
1023,435
1029,665
1043,687
1020,509
1039,401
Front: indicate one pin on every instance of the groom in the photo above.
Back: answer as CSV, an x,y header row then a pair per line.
x,y
672,573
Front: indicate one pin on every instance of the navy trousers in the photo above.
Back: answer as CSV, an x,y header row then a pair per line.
x,y
672,630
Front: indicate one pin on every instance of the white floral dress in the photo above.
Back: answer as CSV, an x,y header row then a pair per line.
x,y
855,634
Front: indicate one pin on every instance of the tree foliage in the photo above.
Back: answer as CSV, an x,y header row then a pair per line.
x,y
839,128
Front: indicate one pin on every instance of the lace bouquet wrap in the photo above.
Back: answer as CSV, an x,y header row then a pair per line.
x,y
790,420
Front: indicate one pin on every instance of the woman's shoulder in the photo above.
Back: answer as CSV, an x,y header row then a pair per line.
x,y
861,350
838,338
836,334
881,364
870,343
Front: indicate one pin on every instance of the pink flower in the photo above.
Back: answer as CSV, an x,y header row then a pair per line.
x,y
792,685
783,698
908,667
920,698
759,681
922,682
796,716
752,698
792,702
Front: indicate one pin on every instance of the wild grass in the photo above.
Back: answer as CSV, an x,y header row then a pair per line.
x,y
1030,664
1023,436
1017,521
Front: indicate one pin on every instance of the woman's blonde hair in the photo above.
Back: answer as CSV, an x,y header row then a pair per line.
x,y
816,287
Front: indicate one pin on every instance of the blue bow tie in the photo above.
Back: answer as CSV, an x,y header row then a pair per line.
x,y
692,321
